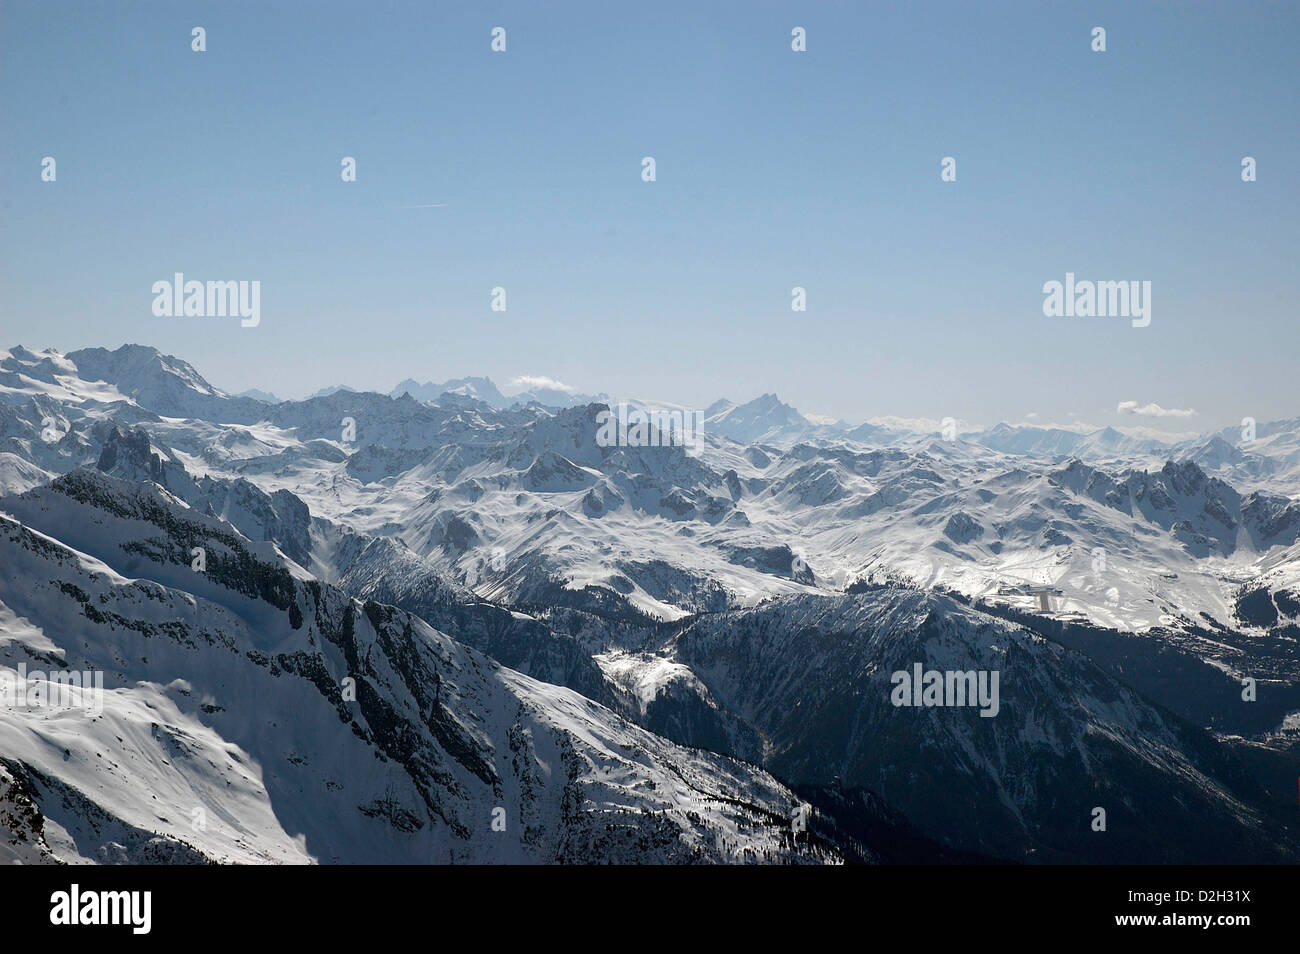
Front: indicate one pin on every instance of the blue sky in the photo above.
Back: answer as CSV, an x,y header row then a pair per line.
x,y
775,169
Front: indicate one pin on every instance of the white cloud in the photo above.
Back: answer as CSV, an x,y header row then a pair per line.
x,y
1152,410
531,382
1032,415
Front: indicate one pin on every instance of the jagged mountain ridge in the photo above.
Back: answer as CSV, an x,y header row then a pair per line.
x,y
665,534
517,533
253,729
812,675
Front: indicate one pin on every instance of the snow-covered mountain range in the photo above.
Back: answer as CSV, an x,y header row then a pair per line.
x,y
564,649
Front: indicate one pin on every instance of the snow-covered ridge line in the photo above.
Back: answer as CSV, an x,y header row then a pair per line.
x,y
273,718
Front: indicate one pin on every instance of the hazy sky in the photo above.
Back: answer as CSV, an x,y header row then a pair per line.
x,y
819,169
